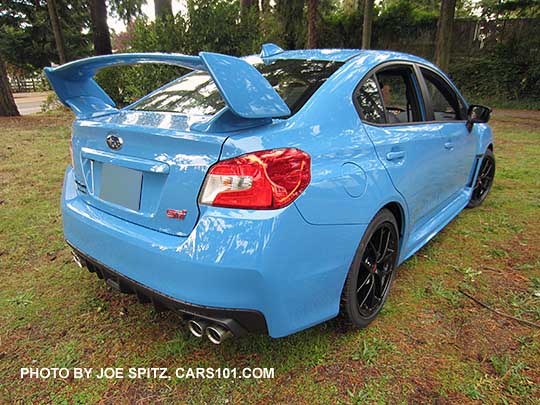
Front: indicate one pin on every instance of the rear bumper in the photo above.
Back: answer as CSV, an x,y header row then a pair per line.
x,y
236,320
255,265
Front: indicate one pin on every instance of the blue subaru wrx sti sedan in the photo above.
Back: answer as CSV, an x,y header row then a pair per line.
x,y
272,192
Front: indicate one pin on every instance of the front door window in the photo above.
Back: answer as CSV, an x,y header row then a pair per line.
x,y
446,104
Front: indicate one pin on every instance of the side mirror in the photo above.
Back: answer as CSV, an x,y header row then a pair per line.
x,y
477,114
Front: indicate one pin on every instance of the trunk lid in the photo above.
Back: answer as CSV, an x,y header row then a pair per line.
x,y
154,178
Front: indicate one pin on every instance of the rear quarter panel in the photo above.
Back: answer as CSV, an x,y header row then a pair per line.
x,y
348,182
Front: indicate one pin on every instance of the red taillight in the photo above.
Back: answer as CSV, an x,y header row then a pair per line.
x,y
262,180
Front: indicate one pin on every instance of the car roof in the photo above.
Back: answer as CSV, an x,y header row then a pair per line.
x,y
369,57
337,55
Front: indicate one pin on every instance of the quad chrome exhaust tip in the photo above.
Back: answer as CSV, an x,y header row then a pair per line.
x,y
217,334
197,327
77,259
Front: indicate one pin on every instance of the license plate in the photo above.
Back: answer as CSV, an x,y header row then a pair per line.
x,y
120,185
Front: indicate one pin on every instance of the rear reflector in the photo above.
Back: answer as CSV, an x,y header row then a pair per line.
x,y
268,179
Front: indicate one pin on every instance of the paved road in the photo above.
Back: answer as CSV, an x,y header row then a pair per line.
x,y
30,103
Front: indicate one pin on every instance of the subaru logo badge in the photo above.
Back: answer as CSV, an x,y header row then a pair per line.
x,y
114,142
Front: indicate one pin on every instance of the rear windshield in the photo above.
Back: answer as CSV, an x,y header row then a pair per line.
x,y
197,94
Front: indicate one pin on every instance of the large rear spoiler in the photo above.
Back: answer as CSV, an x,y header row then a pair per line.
x,y
245,91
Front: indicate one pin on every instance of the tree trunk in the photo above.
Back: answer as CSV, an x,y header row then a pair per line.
x,y
100,28
163,8
265,6
445,27
312,24
368,22
57,31
8,108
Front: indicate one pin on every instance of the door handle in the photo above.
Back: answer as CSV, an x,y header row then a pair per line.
x,y
395,155
449,145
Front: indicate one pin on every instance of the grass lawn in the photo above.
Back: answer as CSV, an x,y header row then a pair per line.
x,y
431,343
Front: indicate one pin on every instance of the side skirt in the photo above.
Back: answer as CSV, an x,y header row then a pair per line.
x,y
420,236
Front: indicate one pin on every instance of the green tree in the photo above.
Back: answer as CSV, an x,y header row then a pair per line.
x,y
430,6
215,26
351,6
206,25
247,5
290,14
265,6
26,35
126,10
163,9
509,8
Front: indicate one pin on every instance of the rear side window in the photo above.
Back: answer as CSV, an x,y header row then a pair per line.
x,y
446,104
400,98
390,96
196,94
370,102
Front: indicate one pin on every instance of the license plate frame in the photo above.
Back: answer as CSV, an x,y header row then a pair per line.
x,y
121,186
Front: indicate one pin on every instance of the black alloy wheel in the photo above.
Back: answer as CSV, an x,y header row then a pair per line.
x,y
372,271
484,181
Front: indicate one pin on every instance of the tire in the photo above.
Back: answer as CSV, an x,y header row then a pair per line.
x,y
484,181
371,269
